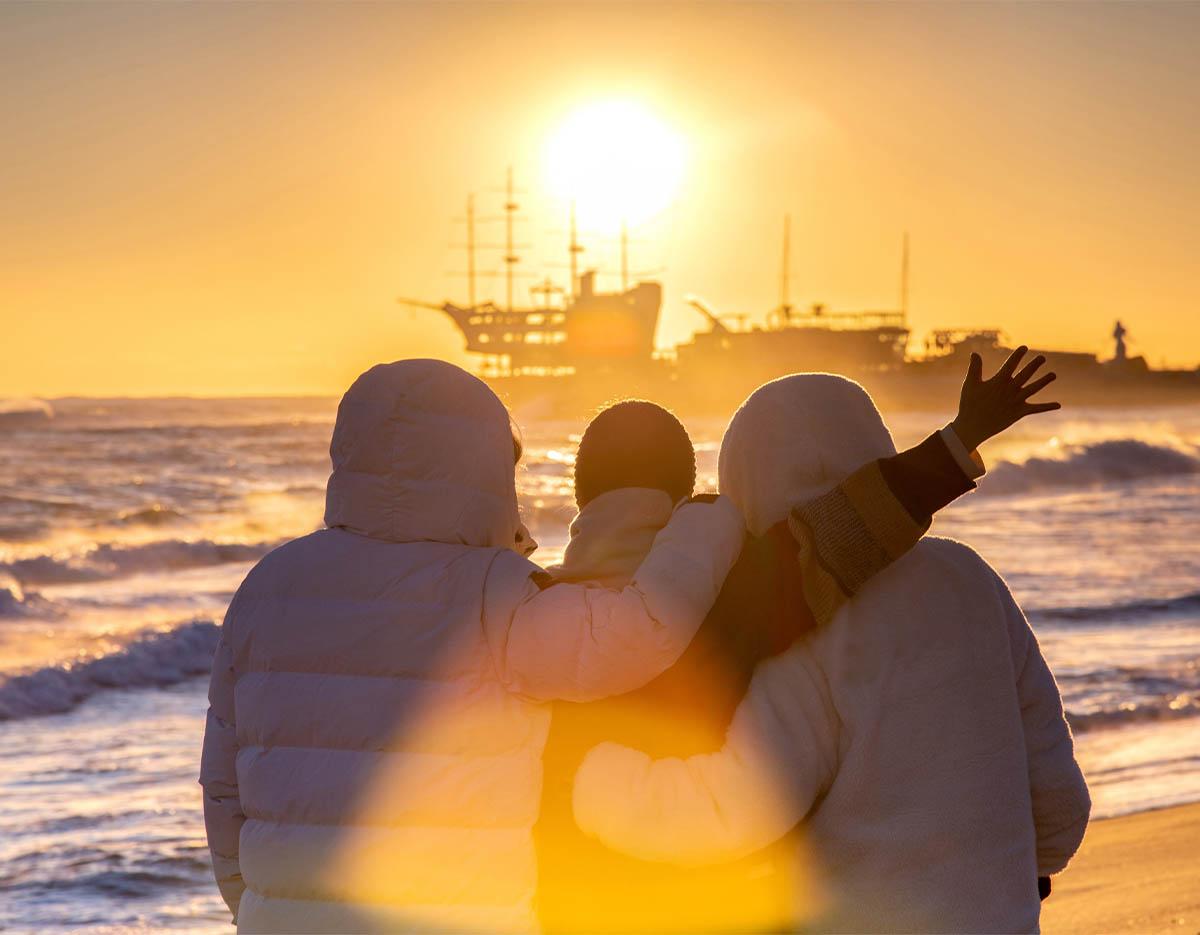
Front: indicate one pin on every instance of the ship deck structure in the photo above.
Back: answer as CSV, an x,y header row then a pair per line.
x,y
576,347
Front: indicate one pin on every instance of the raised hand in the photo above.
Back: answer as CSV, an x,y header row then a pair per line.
x,y
987,407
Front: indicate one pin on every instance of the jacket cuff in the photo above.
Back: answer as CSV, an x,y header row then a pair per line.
x,y
881,512
971,462
853,531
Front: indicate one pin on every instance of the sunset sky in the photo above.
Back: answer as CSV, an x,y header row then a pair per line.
x,y
220,198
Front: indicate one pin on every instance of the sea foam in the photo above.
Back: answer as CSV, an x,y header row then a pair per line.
x,y
1112,461
114,560
1133,610
15,601
153,658
23,413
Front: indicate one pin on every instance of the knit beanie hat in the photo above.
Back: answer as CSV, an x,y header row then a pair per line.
x,y
634,443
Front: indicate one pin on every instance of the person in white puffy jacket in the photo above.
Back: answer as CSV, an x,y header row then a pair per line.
x,y
921,733
372,756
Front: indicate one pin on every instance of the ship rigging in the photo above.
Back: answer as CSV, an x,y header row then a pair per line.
x,y
568,331
574,347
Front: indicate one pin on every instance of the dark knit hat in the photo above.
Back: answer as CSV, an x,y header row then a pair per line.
x,y
634,443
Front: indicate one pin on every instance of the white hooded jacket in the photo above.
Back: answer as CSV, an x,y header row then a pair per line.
x,y
921,733
372,758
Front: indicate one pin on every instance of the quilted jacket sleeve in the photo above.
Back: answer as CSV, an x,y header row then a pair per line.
x,y
223,816
1061,802
848,535
779,757
578,642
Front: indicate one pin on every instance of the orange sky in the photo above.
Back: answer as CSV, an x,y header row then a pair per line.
x,y
227,198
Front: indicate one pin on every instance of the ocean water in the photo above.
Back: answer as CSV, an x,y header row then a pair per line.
x,y
125,526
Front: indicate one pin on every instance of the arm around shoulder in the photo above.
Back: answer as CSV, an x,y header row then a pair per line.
x,y
779,757
578,642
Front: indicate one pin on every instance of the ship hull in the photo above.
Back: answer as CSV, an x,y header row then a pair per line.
x,y
911,387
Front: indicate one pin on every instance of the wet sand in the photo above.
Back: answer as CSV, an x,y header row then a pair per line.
x,y
1138,873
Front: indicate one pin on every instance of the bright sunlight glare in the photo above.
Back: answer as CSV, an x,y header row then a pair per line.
x,y
617,161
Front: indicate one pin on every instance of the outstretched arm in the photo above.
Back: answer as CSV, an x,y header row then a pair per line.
x,y
223,816
780,755
578,642
847,536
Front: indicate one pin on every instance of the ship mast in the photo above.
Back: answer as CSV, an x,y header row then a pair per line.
x,y
470,251
624,256
904,278
574,249
785,305
510,257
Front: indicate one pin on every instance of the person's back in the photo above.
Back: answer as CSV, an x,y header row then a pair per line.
x,y
922,735
926,823
586,887
635,461
379,763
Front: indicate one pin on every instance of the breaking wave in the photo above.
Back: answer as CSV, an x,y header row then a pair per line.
x,y
156,515
15,601
1186,603
108,871
1122,459
154,659
1159,709
1113,697
23,413
117,561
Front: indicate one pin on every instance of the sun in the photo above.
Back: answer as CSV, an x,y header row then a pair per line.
x,y
617,161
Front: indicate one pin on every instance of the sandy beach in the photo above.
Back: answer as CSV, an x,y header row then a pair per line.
x,y
1138,873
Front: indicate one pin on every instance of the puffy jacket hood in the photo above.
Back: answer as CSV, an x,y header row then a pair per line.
x,y
423,452
794,439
